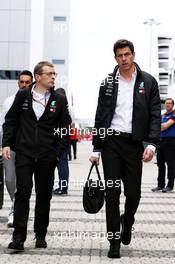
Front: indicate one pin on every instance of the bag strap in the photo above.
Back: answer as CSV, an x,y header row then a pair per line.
x,y
97,170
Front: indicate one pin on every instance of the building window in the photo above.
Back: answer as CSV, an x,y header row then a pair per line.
x,y
56,61
9,75
59,18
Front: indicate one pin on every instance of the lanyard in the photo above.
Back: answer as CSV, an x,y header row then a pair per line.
x,y
39,102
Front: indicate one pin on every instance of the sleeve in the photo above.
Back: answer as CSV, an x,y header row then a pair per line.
x,y
11,121
96,140
173,116
155,115
2,115
1,122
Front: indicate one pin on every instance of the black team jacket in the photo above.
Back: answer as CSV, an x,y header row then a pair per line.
x,y
23,133
146,108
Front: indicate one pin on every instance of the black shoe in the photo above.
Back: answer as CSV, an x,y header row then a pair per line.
x,y
126,233
156,189
114,250
56,190
60,192
40,242
167,189
16,245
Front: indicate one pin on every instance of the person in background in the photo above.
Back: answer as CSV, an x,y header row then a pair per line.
x,y
73,141
166,149
33,128
62,164
128,112
25,79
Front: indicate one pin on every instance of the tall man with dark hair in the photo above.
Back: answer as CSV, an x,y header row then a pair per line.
x,y
129,111
25,79
34,117
166,149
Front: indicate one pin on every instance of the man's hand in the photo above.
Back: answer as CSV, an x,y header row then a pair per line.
x,y
6,153
94,159
147,155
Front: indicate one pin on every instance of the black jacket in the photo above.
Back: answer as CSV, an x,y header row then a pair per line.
x,y
23,133
146,108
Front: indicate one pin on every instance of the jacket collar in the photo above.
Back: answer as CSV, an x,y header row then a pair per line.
x,y
139,72
33,84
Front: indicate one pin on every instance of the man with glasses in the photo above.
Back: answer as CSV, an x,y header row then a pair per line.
x,y
24,80
37,112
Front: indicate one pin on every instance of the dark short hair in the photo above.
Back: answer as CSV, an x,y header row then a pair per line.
x,y
122,43
39,67
167,99
25,72
60,91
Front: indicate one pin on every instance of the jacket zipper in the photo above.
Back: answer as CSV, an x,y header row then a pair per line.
x,y
36,140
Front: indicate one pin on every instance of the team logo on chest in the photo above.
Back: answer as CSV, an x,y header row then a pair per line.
x,y
53,106
141,88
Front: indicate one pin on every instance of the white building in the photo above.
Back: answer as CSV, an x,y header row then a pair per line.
x,y
15,17
31,31
166,63
56,37
50,36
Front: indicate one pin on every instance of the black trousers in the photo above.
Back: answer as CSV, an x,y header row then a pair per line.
x,y
166,155
122,160
43,170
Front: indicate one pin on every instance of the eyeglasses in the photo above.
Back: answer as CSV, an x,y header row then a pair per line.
x,y
49,74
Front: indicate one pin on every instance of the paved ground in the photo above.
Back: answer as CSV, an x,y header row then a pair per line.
x,y
153,239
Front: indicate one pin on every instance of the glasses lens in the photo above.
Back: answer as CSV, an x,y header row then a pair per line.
x,y
50,73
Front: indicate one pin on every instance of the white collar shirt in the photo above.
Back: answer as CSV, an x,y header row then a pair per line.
x,y
39,102
122,119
